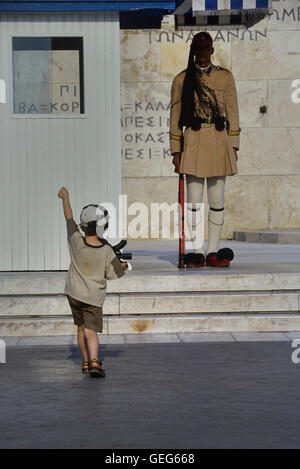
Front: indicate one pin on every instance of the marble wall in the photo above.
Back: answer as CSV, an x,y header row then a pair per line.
x,y
265,61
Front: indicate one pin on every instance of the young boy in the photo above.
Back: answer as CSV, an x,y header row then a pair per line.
x,y
92,262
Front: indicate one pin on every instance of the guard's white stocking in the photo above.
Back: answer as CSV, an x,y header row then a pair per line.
x,y
215,196
194,220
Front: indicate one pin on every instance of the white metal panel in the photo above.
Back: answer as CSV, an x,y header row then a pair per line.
x,y
41,154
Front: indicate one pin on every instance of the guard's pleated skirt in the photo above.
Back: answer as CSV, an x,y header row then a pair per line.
x,y
208,152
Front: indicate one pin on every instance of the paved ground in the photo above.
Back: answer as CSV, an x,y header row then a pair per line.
x,y
217,394
206,390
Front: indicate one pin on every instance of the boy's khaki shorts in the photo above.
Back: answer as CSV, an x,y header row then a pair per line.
x,y
89,315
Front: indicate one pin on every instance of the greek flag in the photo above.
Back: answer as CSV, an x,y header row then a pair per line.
x,y
220,14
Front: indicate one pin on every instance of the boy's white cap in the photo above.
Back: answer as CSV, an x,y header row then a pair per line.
x,y
97,213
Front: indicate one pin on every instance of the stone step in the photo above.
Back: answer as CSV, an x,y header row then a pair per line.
x,y
33,303
290,236
52,283
157,303
169,323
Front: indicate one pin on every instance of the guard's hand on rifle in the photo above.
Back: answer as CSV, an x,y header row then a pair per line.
x,y
176,162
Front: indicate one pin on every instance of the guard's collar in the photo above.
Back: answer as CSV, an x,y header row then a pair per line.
x,y
207,70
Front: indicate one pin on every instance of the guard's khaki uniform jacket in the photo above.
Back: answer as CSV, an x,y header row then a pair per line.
x,y
207,152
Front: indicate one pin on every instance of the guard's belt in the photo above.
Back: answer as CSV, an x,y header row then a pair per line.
x,y
218,121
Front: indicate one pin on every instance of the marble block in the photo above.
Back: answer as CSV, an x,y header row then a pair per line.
x,y
282,95
48,306
246,203
276,56
251,95
269,151
210,304
139,59
286,16
148,190
136,161
284,203
202,323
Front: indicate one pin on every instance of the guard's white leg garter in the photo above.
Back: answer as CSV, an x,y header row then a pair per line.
x,y
215,195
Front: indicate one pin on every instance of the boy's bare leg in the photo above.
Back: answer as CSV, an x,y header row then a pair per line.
x,y
92,343
82,343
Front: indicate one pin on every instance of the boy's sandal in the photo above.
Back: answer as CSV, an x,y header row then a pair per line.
x,y
85,368
96,371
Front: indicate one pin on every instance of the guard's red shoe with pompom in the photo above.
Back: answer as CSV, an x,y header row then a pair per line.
x,y
221,258
194,260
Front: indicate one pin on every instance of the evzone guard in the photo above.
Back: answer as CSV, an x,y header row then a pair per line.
x,y
204,103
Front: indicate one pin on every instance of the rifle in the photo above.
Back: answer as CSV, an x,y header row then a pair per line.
x,y
122,256
181,247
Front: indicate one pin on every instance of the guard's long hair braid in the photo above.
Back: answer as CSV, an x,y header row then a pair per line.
x,y
206,96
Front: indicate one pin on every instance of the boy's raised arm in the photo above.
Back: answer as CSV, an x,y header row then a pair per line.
x,y
64,195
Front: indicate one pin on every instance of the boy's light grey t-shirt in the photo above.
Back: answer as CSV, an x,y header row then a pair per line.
x,y
90,266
